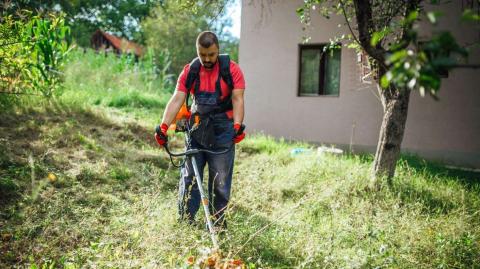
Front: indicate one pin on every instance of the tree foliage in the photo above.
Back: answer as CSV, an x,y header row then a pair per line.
x,y
32,53
388,32
175,25
168,26
391,39
121,18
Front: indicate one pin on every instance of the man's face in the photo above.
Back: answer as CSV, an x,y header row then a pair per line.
x,y
208,56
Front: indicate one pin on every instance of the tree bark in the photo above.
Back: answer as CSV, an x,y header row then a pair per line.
x,y
395,108
363,13
395,101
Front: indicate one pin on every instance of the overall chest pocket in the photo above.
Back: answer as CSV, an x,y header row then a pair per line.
x,y
203,130
209,129
204,103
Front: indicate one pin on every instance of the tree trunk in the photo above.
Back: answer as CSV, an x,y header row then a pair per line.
x,y
395,107
395,101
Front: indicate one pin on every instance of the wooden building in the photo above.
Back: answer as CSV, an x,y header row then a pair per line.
x,y
101,40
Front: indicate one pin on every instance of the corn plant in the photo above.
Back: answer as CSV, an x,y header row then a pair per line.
x,y
32,53
51,43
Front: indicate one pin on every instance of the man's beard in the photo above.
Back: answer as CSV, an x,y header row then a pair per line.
x,y
208,65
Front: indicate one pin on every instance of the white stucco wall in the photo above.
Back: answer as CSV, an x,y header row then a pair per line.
x,y
446,130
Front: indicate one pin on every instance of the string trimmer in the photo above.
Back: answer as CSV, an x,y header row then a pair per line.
x,y
190,154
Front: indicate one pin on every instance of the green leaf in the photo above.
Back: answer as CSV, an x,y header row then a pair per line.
x,y
380,35
376,37
412,17
397,56
430,81
470,16
384,82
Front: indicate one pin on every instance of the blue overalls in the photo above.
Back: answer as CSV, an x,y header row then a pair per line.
x,y
220,167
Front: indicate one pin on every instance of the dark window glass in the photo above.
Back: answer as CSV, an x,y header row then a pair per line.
x,y
319,70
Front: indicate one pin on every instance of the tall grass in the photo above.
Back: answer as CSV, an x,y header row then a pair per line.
x,y
322,213
108,80
112,202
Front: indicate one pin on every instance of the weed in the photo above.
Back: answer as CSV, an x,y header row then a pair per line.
x,y
113,200
120,173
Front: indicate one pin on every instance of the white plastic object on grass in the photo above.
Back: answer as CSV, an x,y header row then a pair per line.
x,y
332,150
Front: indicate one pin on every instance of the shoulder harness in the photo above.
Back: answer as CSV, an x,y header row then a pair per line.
x,y
225,74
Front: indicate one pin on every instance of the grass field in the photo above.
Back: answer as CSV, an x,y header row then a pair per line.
x,y
83,185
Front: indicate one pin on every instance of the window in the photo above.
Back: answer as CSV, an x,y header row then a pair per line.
x,y
319,70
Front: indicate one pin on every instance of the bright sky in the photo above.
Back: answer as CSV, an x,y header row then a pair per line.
x,y
235,11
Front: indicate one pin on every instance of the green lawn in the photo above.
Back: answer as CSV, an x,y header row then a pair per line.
x,y
112,201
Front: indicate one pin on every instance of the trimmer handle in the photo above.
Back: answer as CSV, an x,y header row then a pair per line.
x,y
241,129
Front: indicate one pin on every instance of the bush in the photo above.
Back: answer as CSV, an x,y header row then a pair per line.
x,y
33,50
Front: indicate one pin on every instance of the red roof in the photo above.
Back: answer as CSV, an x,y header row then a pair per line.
x,y
122,44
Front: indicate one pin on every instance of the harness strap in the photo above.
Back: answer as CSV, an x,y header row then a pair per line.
x,y
225,74
193,77
224,61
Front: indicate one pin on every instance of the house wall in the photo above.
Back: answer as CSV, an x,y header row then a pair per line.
x,y
446,130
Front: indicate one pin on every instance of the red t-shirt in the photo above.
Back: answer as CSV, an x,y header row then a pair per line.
x,y
208,78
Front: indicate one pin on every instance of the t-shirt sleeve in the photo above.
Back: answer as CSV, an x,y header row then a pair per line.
x,y
237,76
182,79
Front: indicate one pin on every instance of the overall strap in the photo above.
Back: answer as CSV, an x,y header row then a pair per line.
x,y
225,74
193,77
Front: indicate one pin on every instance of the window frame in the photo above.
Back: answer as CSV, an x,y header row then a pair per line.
x,y
321,74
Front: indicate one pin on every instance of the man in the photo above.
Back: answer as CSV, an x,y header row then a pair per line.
x,y
217,85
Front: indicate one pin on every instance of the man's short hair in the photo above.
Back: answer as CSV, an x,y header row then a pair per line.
x,y
206,39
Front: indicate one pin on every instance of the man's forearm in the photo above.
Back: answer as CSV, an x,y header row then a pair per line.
x,y
238,109
173,106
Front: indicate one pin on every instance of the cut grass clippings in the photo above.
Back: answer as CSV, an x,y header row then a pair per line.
x,y
84,185
114,205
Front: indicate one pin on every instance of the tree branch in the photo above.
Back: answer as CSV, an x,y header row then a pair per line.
x,y
393,14
348,23
411,6
222,7
363,13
